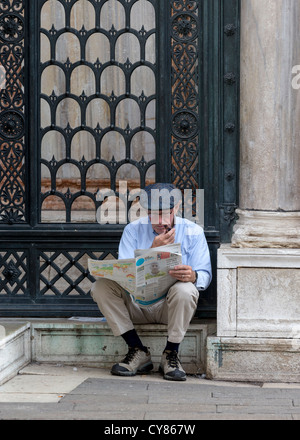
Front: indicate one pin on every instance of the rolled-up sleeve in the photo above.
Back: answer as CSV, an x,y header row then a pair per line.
x,y
198,257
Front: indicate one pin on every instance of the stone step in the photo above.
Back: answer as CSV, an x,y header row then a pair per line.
x,y
90,342
15,347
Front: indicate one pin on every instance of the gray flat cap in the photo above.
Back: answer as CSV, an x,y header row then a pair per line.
x,y
160,196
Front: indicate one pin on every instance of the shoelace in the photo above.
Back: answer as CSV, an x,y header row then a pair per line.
x,y
130,355
172,359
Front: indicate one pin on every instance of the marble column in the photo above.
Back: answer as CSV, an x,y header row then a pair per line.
x,y
269,214
258,326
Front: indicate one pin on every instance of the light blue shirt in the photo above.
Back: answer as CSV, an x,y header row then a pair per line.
x,y
194,248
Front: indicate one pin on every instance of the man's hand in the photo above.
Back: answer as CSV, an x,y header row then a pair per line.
x,y
183,273
164,238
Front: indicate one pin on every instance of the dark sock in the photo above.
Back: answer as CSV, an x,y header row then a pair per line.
x,y
132,340
171,346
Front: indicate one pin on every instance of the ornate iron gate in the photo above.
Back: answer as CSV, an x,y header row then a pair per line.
x,y
108,94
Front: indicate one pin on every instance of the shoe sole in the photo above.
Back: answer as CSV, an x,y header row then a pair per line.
x,y
143,369
178,379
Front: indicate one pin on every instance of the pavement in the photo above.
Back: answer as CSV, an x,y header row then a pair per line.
x,y
59,392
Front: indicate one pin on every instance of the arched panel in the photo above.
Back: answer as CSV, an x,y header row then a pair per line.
x,y
83,145
83,80
68,113
53,144
82,15
113,81
52,14
67,48
83,210
97,177
53,80
143,147
53,210
98,112
128,114
97,48
112,15
143,81
143,13
113,146
127,48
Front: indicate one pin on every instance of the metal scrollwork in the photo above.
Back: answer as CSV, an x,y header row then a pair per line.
x,y
185,124
185,96
11,273
11,27
184,27
12,104
11,124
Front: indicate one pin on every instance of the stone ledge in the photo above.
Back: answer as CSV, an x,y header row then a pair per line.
x,y
91,343
15,348
253,359
232,258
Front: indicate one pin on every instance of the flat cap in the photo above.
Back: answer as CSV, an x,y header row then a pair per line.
x,y
160,196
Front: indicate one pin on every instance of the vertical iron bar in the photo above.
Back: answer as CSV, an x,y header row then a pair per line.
x,y
163,102
32,109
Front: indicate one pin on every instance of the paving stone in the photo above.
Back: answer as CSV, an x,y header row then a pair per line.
x,y
258,409
53,393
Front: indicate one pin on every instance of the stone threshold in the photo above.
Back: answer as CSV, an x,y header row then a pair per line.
x,y
90,342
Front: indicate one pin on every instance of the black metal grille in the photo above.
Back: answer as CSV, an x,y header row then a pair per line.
x,y
65,273
109,112
13,275
186,63
77,115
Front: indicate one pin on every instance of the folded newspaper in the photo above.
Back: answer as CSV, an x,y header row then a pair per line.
x,y
146,277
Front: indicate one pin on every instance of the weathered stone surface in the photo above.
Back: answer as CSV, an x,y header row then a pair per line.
x,y
263,229
253,359
270,110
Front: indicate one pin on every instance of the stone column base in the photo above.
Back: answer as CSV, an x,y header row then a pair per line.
x,y
258,326
267,229
253,359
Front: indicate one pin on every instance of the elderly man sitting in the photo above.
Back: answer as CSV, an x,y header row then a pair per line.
x,y
178,306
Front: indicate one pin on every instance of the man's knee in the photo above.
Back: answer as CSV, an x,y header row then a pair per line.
x,y
183,293
101,288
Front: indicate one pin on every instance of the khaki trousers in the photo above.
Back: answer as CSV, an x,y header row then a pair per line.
x,y
121,312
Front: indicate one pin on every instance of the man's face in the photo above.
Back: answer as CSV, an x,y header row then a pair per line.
x,y
161,221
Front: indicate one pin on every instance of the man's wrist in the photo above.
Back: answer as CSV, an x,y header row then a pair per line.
x,y
196,277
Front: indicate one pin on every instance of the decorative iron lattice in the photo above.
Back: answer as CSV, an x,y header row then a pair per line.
x,y
13,273
92,106
65,273
12,112
185,29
